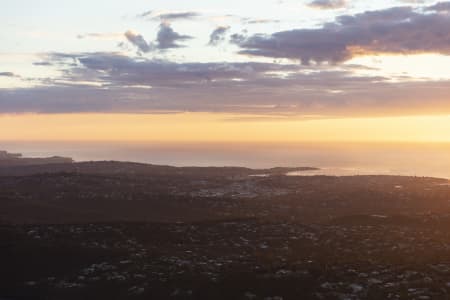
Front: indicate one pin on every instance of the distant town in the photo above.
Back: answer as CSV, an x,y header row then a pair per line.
x,y
123,230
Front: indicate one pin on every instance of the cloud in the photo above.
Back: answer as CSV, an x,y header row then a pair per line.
x,y
218,35
260,21
238,38
7,74
169,16
167,38
138,41
440,7
100,36
328,4
42,63
398,30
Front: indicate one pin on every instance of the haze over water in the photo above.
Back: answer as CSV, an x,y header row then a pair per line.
x,y
333,158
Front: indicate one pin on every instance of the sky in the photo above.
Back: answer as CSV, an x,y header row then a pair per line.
x,y
215,71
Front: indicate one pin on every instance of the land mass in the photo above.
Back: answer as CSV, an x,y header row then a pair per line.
x,y
119,230
16,159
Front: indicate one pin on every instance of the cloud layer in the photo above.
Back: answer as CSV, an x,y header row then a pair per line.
x,y
108,82
321,85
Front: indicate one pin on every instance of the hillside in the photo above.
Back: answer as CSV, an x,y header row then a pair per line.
x,y
16,159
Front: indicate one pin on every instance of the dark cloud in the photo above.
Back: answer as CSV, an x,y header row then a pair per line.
x,y
7,74
167,38
328,4
440,7
145,14
118,70
238,38
178,16
218,35
42,63
138,41
399,30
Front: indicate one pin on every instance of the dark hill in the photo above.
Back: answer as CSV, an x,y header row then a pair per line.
x,y
130,168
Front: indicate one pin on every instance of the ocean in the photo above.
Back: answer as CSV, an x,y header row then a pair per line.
x,y
332,158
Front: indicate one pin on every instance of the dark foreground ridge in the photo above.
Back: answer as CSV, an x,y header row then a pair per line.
x,y
110,230
240,259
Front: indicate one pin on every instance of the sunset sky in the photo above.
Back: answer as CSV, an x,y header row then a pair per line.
x,y
201,71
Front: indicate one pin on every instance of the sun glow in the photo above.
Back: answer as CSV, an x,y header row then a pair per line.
x,y
207,127
411,67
